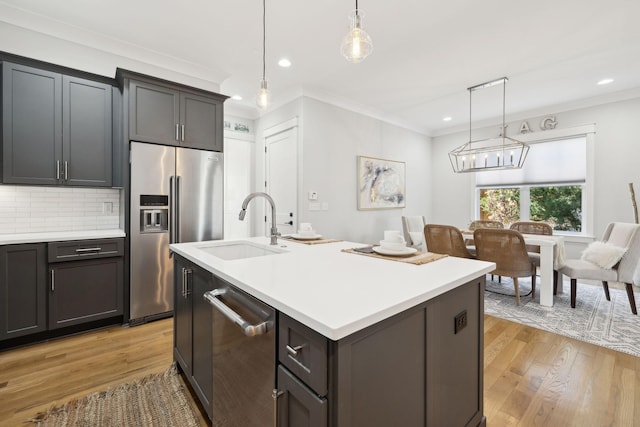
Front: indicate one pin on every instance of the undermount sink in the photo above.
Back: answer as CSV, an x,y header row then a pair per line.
x,y
239,250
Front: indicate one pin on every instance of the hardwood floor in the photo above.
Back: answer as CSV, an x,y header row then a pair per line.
x,y
532,377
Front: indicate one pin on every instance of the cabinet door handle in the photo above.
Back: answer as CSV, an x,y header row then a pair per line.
x,y
184,281
275,394
294,350
58,169
182,132
82,250
177,132
66,170
53,280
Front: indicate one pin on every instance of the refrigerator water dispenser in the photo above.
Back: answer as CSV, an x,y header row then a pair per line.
x,y
154,214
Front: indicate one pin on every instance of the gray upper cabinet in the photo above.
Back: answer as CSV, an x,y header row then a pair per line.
x,y
31,125
166,115
86,132
57,129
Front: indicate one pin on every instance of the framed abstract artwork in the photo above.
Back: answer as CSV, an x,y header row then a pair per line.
x,y
381,183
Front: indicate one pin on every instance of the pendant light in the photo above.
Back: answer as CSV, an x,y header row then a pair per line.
x,y
502,152
263,98
357,44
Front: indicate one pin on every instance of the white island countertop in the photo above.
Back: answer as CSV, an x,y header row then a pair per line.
x,y
333,292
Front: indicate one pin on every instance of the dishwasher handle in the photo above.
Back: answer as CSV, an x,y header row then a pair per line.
x,y
247,328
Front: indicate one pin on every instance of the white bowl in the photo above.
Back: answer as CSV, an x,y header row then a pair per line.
x,y
307,233
392,245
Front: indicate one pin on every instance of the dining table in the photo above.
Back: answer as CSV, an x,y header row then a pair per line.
x,y
552,256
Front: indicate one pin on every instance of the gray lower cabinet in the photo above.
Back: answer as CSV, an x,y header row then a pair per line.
x,y
86,281
193,333
56,129
83,291
167,115
422,367
23,290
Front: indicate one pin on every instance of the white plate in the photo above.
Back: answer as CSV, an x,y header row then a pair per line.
x,y
394,252
305,237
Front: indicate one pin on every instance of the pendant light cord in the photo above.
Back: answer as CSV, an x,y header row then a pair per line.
x,y
264,37
356,7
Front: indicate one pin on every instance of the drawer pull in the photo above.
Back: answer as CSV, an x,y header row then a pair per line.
x,y
294,350
83,250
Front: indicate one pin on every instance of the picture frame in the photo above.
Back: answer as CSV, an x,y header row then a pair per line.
x,y
381,183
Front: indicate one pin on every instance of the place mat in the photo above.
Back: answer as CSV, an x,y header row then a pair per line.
x,y
310,242
418,259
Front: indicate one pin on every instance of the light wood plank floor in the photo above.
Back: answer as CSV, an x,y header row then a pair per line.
x,y
532,377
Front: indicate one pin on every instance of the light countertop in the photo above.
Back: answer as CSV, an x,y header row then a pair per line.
x,y
56,236
333,292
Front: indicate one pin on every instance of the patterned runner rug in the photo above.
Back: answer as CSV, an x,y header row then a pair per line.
x,y
595,320
156,400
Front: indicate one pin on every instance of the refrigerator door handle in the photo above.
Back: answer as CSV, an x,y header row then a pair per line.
x,y
176,233
172,222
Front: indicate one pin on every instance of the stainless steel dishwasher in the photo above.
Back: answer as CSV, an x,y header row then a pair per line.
x,y
243,359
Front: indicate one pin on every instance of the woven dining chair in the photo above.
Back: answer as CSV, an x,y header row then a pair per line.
x,y
540,228
507,250
485,223
445,239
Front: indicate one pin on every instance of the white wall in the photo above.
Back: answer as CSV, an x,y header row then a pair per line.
x,y
32,44
616,164
331,138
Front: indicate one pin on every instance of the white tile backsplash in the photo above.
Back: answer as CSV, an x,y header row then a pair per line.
x,y
25,209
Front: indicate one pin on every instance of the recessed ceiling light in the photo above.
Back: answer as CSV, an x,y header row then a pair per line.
x,y
236,98
605,81
284,63
446,119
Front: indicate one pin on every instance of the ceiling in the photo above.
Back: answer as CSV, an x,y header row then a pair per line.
x,y
426,53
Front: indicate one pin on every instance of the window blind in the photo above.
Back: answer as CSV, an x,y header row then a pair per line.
x,y
558,161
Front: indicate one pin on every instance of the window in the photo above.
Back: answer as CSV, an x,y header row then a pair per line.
x,y
550,187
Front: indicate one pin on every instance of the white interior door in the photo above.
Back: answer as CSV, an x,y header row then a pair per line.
x,y
238,171
281,180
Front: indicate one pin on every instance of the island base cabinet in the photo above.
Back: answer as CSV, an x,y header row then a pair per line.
x,y
455,330
297,404
193,332
422,367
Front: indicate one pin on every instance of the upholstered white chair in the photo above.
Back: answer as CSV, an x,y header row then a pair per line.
x,y
413,228
613,259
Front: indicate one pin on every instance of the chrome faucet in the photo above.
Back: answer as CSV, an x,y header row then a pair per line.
x,y
243,212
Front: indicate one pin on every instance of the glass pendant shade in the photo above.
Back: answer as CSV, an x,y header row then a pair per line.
x,y
357,44
263,98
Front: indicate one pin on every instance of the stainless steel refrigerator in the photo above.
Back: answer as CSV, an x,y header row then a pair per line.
x,y
176,196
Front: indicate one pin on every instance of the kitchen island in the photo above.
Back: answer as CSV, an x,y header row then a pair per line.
x,y
361,340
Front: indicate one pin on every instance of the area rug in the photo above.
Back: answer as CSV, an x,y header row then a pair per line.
x,y
595,320
155,400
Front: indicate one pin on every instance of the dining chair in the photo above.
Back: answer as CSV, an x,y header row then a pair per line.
x,y
535,227
485,223
482,223
507,250
445,239
612,259
413,229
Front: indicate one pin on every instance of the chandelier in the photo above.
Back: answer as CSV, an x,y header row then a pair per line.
x,y
502,152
